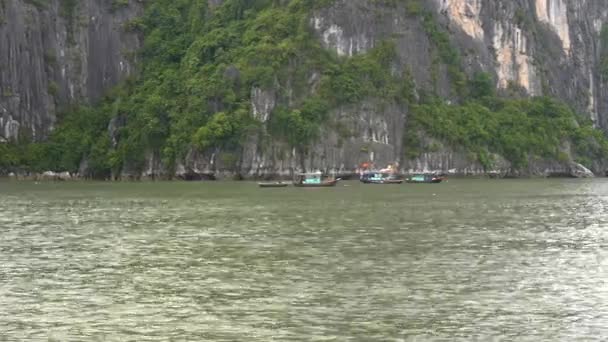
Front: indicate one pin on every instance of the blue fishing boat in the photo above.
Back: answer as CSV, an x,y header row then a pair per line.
x,y
387,175
314,180
380,178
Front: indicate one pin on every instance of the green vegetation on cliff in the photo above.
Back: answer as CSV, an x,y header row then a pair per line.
x,y
519,130
199,65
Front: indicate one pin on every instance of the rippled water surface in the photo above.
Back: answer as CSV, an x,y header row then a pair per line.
x,y
513,260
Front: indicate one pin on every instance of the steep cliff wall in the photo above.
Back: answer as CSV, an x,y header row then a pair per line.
x,y
55,57
54,53
547,47
536,47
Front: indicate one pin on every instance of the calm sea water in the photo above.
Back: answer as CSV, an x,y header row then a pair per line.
x,y
513,260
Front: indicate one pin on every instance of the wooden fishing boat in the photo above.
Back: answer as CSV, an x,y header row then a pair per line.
x,y
273,185
324,184
425,179
314,180
380,178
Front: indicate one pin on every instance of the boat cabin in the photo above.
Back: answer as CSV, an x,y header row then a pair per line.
x,y
421,178
310,178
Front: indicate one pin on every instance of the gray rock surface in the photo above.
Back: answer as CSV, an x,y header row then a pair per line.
x,y
579,171
543,47
51,57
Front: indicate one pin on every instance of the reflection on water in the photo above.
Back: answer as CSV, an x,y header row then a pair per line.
x,y
466,260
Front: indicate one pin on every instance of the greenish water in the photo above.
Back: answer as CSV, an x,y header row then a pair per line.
x,y
514,260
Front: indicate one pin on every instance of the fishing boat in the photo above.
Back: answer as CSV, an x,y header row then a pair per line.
x,y
314,180
387,175
425,179
380,178
273,185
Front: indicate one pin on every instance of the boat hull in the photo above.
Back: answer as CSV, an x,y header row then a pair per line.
x,y
389,181
273,185
433,181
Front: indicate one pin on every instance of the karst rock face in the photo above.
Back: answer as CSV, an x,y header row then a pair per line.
x,y
54,53
52,56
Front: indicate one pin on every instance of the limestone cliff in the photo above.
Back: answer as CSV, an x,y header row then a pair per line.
x,y
55,53
542,47
49,58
